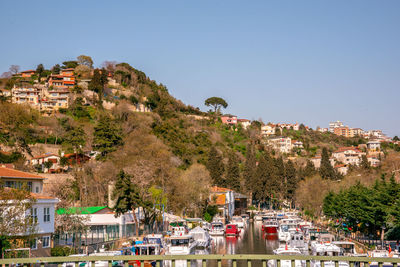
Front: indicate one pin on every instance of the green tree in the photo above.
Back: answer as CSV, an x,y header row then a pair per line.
x,y
97,83
233,172
127,196
85,60
291,180
56,69
107,136
70,64
250,167
326,170
216,167
396,138
40,70
364,162
75,139
216,103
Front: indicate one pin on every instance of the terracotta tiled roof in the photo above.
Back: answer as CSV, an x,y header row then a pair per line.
x,y
243,120
342,149
219,189
340,165
45,156
10,173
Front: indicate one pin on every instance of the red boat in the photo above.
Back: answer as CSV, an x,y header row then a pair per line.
x,y
232,229
270,226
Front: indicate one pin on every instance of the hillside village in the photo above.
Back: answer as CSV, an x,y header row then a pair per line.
x,y
68,134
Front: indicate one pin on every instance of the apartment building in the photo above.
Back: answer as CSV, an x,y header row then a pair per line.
x,y
348,155
268,129
64,80
335,124
342,131
25,94
281,144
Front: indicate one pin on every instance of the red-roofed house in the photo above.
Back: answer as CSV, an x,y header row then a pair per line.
x,y
40,160
342,169
18,179
229,119
27,73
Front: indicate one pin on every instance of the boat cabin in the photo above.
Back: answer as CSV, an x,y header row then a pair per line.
x,y
232,229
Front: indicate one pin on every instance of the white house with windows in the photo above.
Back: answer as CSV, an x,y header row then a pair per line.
x,y
268,129
43,208
43,211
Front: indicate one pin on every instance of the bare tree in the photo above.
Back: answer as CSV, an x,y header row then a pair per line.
x,y
109,65
14,69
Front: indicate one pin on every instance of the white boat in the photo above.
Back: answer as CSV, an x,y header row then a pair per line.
x,y
179,231
180,245
238,221
284,231
348,248
155,239
144,250
259,216
297,241
217,228
326,249
287,251
201,236
107,253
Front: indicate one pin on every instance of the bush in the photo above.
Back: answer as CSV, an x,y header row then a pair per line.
x,y
60,251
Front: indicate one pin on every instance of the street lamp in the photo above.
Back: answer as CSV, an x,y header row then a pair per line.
x,y
367,225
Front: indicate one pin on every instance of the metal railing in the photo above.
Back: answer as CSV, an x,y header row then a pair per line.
x,y
127,261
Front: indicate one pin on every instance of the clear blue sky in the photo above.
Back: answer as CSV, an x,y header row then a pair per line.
x,y
282,61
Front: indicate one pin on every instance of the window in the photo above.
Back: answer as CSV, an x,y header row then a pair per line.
x,y
46,242
33,243
46,212
34,214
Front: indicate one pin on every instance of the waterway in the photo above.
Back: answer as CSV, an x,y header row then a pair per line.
x,y
251,240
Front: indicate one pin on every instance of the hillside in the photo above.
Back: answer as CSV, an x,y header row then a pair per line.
x,y
134,124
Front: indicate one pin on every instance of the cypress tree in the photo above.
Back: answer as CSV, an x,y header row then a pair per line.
x,y
249,168
216,167
364,162
107,136
127,196
233,173
326,170
291,180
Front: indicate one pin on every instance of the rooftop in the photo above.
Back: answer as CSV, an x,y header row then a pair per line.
x,y
80,210
11,173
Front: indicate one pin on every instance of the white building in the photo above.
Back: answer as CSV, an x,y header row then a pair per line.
x,y
281,144
374,145
348,155
42,159
335,124
244,123
268,129
42,210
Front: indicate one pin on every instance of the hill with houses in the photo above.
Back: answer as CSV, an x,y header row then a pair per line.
x,y
79,126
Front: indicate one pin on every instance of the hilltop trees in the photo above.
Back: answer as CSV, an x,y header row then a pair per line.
x,y
85,60
216,103
97,84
